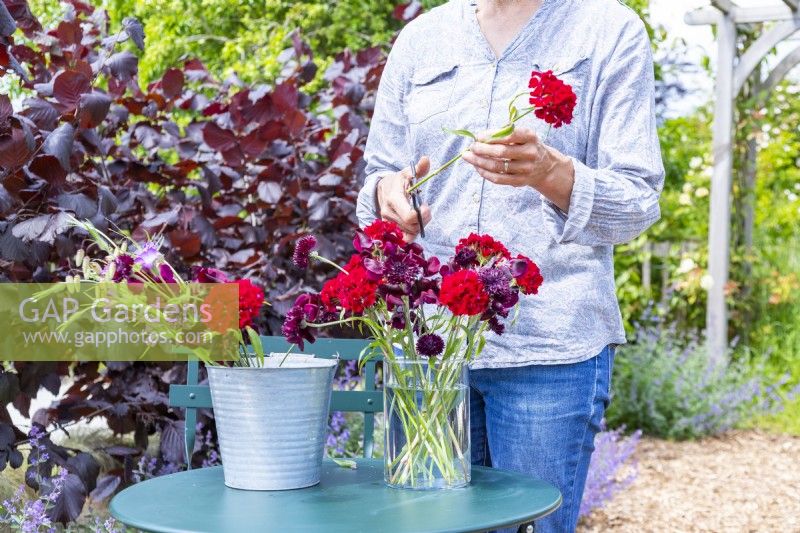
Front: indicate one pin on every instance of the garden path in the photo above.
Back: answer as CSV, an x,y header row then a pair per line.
x,y
743,481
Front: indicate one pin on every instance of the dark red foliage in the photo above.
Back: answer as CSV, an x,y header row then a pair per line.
x,y
230,174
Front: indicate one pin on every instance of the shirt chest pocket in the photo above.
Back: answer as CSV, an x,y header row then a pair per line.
x,y
431,92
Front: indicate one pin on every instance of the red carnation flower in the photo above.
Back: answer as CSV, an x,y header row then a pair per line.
x,y
384,231
530,280
483,245
251,298
354,291
554,100
463,293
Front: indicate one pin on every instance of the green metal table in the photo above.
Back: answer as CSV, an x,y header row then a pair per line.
x,y
345,501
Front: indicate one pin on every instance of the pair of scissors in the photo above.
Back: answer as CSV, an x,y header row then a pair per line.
x,y
415,199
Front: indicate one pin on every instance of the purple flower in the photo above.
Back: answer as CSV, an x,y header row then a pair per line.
x,y
402,273
496,326
497,282
338,434
295,327
302,251
398,319
208,275
430,345
166,274
611,469
466,257
123,268
147,255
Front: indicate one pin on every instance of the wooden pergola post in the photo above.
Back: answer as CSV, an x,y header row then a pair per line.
x,y
732,72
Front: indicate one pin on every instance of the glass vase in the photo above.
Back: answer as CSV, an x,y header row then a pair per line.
x,y
426,410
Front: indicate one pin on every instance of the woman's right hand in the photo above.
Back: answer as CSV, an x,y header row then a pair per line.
x,y
395,203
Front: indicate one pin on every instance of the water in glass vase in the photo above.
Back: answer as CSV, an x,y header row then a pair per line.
x,y
426,409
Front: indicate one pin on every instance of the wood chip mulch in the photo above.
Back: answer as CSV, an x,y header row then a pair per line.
x,y
743,481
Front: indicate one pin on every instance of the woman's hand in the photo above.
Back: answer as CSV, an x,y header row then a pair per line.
x,y
393,200
521,159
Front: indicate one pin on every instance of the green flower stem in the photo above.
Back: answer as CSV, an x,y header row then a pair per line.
x,y
315,255
423,395
439,170
435,172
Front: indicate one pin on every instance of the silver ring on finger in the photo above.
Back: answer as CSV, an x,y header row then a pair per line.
x,y
506,162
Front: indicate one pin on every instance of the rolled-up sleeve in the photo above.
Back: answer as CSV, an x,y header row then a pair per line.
x,y
616,191
386,144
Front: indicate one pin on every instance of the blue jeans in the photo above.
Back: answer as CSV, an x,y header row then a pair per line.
x,y
541,420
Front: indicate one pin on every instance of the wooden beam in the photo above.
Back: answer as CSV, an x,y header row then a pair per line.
x,y
791,3
760,48
741,15
721,179
726,6
781,70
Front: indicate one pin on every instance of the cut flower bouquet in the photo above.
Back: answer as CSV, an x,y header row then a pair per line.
x,y
429,321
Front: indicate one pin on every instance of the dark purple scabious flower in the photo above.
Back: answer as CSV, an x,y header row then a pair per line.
x,y
398,319
496,281
504,296
430,345
402,272
302,251
466,257
495,325
295,327
147,255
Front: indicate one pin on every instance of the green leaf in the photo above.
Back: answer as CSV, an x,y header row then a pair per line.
x,y
504,132
513,113
255,342
462,133
345,463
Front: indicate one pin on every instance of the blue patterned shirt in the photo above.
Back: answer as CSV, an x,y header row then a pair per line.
x,y
442,73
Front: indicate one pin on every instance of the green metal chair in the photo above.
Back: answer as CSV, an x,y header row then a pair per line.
x,y
193,396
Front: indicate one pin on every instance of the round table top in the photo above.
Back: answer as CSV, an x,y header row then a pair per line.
x,y
346,500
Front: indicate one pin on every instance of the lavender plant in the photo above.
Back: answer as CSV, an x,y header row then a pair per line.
x,y
341,426
611,470
666,385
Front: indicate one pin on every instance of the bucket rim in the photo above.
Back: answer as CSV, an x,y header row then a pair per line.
x,y
312,363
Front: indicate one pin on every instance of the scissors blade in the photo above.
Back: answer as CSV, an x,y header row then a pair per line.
x,y
415,200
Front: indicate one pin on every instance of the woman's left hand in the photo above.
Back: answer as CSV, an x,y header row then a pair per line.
x,y
522,159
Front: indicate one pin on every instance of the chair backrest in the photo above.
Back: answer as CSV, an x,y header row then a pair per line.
x,y
369,401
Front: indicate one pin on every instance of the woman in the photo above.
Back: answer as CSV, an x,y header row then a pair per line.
x,y
563,197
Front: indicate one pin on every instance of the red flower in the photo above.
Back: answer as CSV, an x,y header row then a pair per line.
x,y
463,293
554,100
251,298
354,291
530,280
483,245
385,231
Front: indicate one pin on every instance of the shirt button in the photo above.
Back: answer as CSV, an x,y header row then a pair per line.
x,y
476,198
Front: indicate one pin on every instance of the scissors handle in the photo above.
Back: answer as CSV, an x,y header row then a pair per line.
x,y
415,200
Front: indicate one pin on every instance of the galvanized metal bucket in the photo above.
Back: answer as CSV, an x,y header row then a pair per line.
x,y
272,421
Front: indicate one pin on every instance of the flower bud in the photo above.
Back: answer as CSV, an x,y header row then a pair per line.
x,y
80,256
112,269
